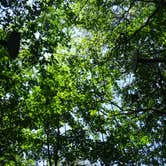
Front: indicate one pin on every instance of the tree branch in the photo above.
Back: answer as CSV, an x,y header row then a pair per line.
x,y
146,23
151,60
131,112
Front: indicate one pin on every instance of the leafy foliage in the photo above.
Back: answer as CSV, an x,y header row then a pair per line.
x,y
88,84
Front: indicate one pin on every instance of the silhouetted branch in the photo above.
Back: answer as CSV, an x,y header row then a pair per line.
x,y
151,60
146,23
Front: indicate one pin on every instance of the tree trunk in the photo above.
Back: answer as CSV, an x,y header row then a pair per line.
x,y
56,148
48,148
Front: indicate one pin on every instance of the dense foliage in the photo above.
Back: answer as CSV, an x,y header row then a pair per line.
x,y
88,85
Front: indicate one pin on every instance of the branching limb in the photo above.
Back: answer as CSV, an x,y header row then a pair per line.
x,y
146,23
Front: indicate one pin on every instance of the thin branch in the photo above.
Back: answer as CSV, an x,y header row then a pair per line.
x,y
141,110
158,111
151,60
131,112
148,1
120,108
155,52
146,23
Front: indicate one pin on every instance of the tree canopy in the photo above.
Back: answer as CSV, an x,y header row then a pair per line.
x,y
82,82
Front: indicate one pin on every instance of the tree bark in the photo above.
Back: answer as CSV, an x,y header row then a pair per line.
x,y
56,147
48,149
